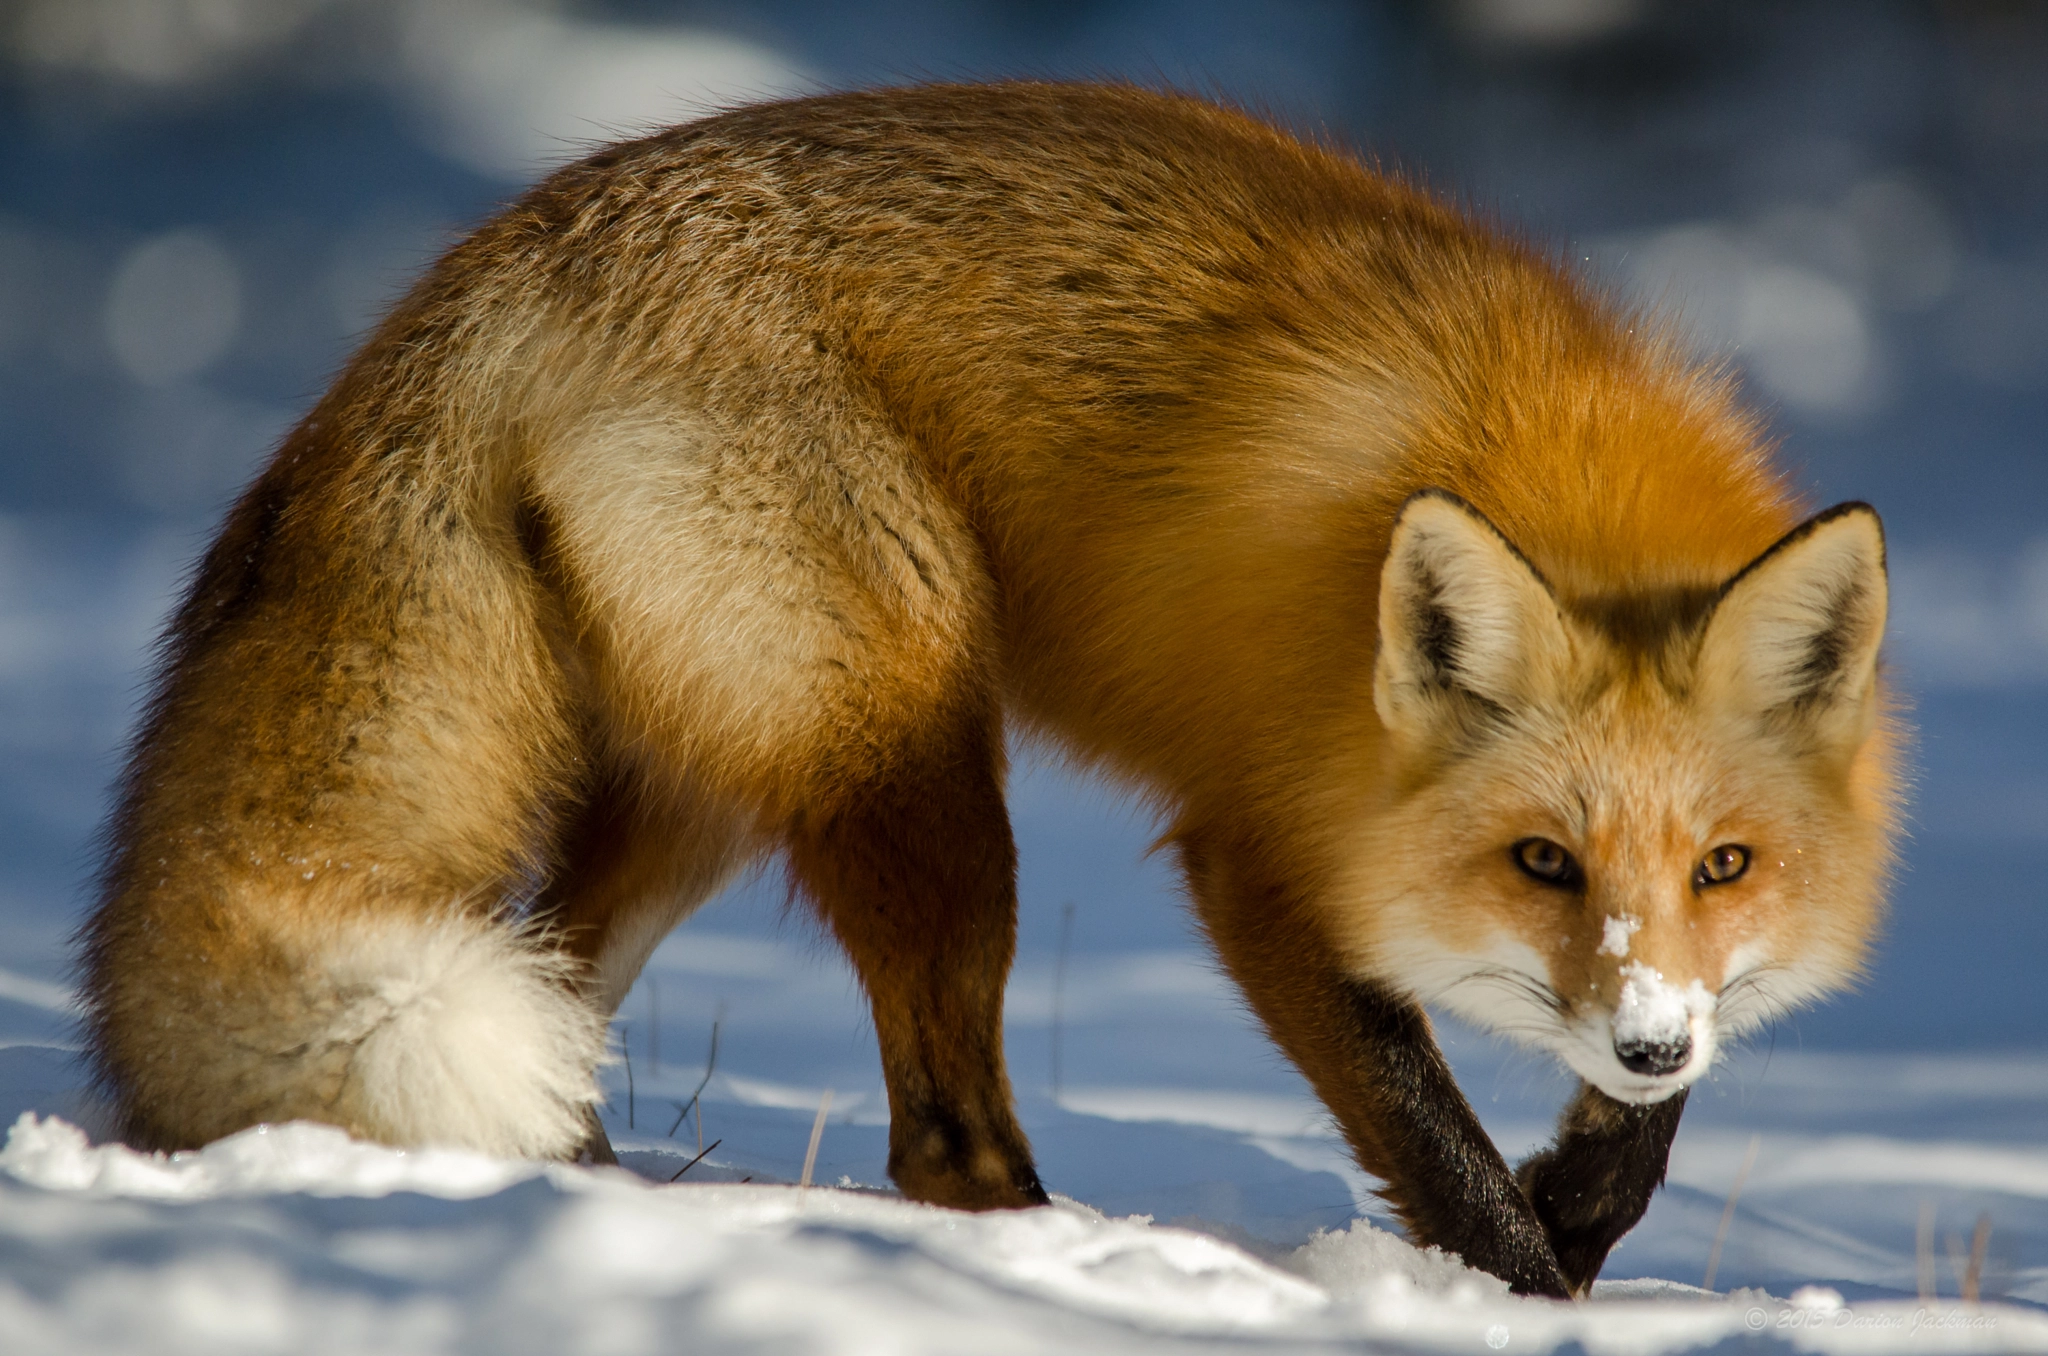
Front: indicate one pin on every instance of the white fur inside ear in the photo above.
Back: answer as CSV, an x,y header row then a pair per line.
x,y
1459,609
464,1033
1798,632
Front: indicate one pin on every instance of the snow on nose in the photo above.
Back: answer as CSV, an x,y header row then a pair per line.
x,y
1653,1020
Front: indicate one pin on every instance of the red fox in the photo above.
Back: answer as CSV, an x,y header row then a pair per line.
x,y
740,488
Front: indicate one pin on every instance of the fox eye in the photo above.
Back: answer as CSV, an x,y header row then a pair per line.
x,y
1541,859
1723,864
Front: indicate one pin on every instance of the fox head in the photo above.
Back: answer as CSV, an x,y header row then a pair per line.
x,y
1626,829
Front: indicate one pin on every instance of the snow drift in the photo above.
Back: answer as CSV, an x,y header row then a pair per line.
x,y
297,1238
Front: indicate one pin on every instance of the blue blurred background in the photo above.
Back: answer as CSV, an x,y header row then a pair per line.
x,y
204,202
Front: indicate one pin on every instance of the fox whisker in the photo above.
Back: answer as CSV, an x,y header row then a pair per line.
x,y
1536,989
1748,996
1536,993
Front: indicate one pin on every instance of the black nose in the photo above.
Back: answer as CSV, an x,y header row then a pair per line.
x,y
1654,1057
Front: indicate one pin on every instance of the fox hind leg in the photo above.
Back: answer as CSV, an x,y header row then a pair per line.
x,y
804,625
640,854
914,870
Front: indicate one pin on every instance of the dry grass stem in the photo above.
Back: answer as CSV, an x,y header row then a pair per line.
x,y
817,1133
696,1097
1923,1253
698,1159
1059,992
654,1026
1980,1243
1728,1211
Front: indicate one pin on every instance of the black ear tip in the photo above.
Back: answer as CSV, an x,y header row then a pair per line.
x,y
1855,508
1849,508
1472,515
1437,494
1852,508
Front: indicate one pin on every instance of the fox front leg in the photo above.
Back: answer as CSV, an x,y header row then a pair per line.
x,y
1446,1179
1369,1054
1594,1183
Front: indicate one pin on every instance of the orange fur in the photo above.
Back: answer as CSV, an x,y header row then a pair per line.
x,y
729,492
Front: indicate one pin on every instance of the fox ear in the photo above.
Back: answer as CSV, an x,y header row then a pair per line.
x,y
1467,626
1793,639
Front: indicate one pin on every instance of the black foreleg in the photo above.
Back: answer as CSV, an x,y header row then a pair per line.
x,y
1593,1184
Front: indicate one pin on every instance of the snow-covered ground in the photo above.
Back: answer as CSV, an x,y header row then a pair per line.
x,y
295,1238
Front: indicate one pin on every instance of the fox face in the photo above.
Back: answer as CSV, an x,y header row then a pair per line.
x,y
1629,831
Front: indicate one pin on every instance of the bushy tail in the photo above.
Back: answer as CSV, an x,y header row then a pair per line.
x,y
462,1032
455,1030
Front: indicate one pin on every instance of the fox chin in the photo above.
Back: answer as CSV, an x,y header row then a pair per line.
x,y
737,492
